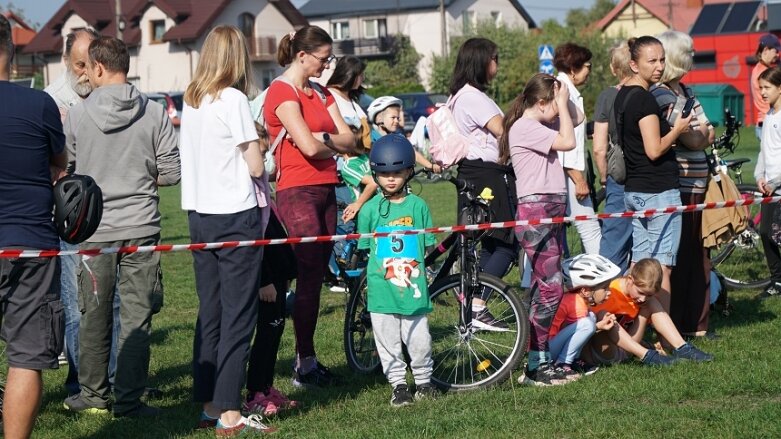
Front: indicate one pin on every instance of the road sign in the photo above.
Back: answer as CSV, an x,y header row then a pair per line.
x,y
545,52
546,66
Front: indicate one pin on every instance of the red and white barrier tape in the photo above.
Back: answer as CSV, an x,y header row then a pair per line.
x,y
351,236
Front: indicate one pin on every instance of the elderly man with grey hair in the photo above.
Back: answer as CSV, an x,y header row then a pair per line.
x,y
70,89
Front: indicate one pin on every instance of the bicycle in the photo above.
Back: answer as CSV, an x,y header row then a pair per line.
x,y
741,260
465,358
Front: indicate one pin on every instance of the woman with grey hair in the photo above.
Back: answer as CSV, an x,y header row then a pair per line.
x,y
690,279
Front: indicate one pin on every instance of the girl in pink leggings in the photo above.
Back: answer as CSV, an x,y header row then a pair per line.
x,y
541,122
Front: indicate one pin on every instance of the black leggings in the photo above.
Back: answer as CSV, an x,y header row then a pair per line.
x,y
496,256
772,254
263,355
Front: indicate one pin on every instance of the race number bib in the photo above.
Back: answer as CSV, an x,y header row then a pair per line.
x,y
397,246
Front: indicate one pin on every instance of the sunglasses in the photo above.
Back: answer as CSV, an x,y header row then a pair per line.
x,y
324,60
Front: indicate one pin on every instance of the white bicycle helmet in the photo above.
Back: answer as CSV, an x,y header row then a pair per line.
x,y
380,104
588,270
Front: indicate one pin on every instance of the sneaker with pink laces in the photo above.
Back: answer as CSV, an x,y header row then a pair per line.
x,y
269,404
280,401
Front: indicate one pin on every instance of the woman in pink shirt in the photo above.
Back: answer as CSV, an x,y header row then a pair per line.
x,y
478,117
541,122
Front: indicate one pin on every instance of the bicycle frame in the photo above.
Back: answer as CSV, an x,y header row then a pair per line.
x,y
462,247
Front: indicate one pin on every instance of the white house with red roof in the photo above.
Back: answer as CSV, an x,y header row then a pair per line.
x,y
165,36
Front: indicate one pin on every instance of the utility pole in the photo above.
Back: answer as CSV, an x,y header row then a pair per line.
x,y
118,18
443,24
670,14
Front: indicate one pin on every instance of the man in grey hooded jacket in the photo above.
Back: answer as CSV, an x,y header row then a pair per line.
x,y
128,145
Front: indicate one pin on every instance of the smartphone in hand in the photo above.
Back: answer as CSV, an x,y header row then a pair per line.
x,y
687,107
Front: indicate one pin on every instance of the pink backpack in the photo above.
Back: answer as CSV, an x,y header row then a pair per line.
x,y
448,145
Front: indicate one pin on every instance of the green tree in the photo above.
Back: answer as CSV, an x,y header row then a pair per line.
x,y
579,18
397,75
518,59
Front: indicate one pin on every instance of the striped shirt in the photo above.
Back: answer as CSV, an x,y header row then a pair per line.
x,y
692,165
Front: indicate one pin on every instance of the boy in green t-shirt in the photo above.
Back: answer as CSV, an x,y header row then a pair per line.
x,y
356,174
397,292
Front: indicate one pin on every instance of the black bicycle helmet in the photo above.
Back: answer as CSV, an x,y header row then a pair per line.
x,y
392,153
78,208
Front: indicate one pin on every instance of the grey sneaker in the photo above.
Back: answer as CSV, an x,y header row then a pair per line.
x,y
426,391
654,358
401,396
689,352
76,404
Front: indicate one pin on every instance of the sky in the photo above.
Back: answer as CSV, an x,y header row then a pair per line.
x,y
39,11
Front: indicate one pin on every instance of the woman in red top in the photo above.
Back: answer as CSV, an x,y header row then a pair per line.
x,y
307,176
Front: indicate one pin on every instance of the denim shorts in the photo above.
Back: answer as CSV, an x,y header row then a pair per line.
x,y
659,235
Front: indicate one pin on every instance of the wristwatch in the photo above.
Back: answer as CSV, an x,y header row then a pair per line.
x,y
326,137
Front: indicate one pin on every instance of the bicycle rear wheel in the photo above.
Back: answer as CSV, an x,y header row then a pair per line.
x,y
359,347
471,358
741,261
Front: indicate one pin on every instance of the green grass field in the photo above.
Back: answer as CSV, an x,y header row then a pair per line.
x,y
736,396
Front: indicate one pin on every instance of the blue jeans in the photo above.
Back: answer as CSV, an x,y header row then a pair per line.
x,y
69,296
616,243
659,235
565,347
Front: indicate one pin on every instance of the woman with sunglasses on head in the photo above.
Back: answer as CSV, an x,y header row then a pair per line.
x,y
574,65
690,279
480,119
315,132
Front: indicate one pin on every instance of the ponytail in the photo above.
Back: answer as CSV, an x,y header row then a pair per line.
x,y
307,39
513,114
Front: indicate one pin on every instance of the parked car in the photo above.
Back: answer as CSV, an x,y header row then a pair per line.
x,y
172,102
418,105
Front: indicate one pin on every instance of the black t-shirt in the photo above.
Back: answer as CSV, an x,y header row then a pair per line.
x,y
643,174
30,133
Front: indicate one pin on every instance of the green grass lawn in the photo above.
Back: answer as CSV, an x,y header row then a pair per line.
x,y
738,395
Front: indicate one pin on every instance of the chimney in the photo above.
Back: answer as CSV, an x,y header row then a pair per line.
x,y
695,3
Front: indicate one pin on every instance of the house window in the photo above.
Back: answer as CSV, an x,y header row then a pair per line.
x,y
375,28
157,30
496,16
704,60
340,30
247,24
469,22
267,77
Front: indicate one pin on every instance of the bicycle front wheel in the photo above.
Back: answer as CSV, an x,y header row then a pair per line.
x,y
359,347
469,358
741,260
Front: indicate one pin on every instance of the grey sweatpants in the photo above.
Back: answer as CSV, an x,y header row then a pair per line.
x,y
390,331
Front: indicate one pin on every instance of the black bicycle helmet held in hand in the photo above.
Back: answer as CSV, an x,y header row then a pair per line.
x,y
391,153
78,208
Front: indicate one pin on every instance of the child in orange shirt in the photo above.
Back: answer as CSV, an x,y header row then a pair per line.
x,y
574,324
632,302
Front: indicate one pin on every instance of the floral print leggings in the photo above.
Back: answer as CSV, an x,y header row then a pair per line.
x,y
541,245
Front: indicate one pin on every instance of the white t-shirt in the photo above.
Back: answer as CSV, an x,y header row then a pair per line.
x,y
215,177
575,158
770,147
351,112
